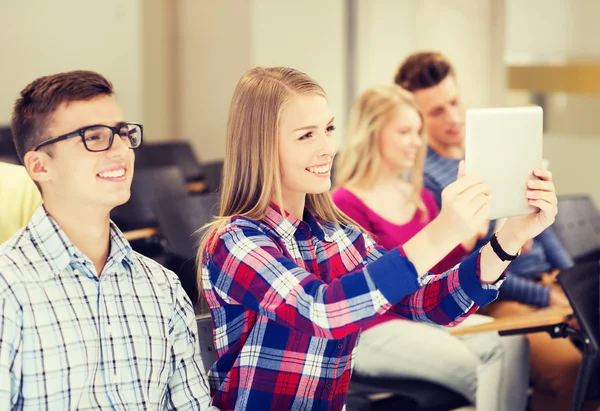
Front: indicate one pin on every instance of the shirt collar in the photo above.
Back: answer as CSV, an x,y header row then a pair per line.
x,y
59,252
286,224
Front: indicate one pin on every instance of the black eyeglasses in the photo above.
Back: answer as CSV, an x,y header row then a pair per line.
x,y
100,137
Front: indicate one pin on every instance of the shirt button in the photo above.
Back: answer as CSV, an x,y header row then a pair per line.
x,y
340,345
328,386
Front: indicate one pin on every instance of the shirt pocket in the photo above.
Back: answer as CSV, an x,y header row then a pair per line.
x,y
145,366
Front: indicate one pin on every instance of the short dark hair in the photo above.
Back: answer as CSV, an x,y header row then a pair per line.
x,y
423,70
42,97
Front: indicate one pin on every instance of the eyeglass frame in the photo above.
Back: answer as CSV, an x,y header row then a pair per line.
x,y
81,133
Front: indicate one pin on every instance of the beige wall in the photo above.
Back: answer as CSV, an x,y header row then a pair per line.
x,y
568,32
307,35
40,37
159,69
386,32
215,48
218,41
175,63
470,33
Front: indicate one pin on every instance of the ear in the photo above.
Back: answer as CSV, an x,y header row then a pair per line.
x,y
37,165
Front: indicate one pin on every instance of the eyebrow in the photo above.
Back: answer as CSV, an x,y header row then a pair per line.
x,y
313,127
436,108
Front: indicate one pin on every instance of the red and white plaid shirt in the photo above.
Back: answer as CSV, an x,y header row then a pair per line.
x,y
288,299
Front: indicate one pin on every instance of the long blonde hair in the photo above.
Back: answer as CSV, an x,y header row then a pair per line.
x,y
251,172
359,162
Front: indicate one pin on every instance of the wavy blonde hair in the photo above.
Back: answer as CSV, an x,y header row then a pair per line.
x,y
251,172
358,164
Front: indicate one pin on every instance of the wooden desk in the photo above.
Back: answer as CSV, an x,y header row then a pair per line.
x,y
542,318
141,233
196,187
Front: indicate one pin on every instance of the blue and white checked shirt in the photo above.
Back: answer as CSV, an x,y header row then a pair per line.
x,y
70,340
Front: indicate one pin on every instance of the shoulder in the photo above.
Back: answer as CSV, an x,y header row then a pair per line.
x,y
16,176
240,237
18,260
341,194
427,197
153,268
242,227
165,281
349,201
9,169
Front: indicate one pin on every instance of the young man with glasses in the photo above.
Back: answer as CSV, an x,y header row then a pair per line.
x,y
86,322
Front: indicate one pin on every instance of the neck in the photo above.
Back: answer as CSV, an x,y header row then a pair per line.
x,y
387,176
293,204
455,152
87,228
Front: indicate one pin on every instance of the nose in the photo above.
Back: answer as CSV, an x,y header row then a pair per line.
x,y
455,115
328,147
119,147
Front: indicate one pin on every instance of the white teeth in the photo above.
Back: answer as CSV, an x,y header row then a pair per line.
x,y
113,173
319,170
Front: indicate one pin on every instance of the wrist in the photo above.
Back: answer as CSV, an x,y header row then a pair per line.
x,y
510,243
440,235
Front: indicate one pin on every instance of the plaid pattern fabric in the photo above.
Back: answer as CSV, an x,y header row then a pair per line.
x,y
289,297
70,340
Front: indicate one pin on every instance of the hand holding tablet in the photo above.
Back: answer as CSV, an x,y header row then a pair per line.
x,y
504,146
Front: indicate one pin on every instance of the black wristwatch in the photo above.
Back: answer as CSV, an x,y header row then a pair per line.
x,y
503,255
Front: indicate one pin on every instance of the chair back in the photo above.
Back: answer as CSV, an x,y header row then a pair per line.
x,y
180,220
148,186
577,226
206,341
582,287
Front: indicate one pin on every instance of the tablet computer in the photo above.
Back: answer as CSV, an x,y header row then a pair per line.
x,y
504,145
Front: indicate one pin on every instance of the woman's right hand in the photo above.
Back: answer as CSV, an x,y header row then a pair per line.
x,y
465,209
465,206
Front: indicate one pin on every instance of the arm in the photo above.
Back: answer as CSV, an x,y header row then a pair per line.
x,y
466,207
482,240
556,253
10,353
248,268
525,291
459,252
449,298
541,194
187,388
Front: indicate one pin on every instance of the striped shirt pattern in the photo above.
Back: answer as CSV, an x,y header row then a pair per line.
x,y
72,341
546,253
288,298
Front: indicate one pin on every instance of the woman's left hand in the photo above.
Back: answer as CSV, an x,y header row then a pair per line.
x,y
542,195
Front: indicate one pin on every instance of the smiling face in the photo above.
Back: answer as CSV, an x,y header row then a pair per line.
x,y
75,177
400,139
443,113
306,147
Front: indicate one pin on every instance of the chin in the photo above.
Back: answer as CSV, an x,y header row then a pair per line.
x,y
319,188
455,140
119,199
